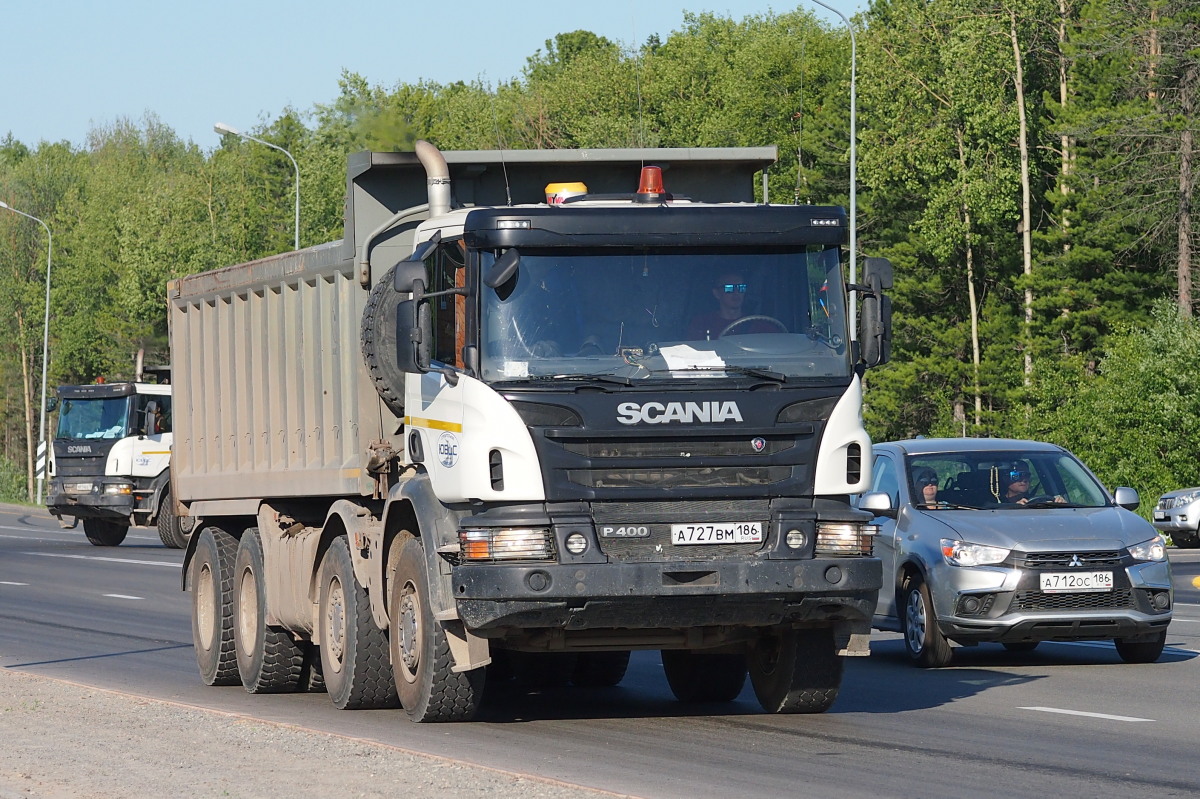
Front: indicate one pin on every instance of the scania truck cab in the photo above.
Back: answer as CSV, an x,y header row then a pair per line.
x,y
111,461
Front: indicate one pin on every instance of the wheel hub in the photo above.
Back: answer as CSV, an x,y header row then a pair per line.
x,y
335,623
409,629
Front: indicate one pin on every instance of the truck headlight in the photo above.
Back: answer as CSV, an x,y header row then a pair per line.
x,y
960,553
505,543
845,538
1152,550
118,488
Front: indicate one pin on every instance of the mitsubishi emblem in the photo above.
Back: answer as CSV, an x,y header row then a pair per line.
x,y
758,443
1075,563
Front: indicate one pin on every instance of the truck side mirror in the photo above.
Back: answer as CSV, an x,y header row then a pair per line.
x,y
51,404
413,330
503,270
875,322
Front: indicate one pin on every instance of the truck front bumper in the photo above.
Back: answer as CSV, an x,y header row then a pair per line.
x,y
94,504
667,595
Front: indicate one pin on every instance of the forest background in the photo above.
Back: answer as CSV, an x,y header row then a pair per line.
x,y
1027,165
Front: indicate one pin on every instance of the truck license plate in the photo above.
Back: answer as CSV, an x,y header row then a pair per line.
x,y
1072,582
717,533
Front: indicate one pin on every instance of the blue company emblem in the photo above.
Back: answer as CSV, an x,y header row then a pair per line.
x,y
447,450
758,443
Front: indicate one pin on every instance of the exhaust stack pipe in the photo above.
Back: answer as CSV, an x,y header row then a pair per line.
x,y
437,179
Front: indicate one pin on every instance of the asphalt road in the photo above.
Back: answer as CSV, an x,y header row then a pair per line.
x,y
1065,720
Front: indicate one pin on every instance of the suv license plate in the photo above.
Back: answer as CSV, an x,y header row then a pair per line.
x,y
1072,582
717,533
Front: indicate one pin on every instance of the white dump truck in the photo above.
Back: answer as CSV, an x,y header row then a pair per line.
x,y
540,407
110,459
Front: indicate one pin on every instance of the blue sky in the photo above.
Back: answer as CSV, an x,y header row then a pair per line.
x,y
67,66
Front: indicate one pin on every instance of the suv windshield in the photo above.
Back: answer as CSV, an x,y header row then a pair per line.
x,y
667,315
94,418
1017,479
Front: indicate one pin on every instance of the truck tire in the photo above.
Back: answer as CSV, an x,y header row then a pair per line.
x,y
429,690
697,677
211,583
378,339
269,660
103,533
923,639
354,651
169,531
600,669
796,671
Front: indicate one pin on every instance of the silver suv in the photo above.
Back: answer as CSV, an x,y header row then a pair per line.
x,y
1178,515
1012,542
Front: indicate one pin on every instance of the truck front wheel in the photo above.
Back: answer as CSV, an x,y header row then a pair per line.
x,y
354,651
212,606
268,659
796,671
103,533
421,662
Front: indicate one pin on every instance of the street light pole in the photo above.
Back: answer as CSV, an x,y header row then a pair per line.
x,y
853,168
222,128
45,347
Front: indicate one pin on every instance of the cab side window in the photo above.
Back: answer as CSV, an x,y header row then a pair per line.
x,y
448,313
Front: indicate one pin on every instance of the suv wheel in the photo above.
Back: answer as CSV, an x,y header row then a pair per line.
x,y
923,639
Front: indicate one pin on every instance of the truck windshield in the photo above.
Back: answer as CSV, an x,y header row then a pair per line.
x,y
665,315
94,418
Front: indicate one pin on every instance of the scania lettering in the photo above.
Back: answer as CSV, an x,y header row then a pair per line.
x,y
686,412
622,417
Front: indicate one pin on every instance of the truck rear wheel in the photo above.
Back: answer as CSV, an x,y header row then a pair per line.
x,y
211,582
103,533
268,659
429,690
704,677
354,651
169,531
600,669
796,671
377,337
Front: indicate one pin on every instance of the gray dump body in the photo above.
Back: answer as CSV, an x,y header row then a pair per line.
x,y
272,396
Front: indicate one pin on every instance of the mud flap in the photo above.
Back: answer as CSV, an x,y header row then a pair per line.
x,y
468,650
852,640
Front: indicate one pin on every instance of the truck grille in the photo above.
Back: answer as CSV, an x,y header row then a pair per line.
x,y
1033,601
707,477
68,467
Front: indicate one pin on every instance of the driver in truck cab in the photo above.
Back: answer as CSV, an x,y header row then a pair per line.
x,y
730,293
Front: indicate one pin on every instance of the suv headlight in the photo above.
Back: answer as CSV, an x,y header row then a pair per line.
x,y
1152,550
960,553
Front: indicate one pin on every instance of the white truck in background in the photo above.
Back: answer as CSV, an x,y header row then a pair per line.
x,y
110,459
481,429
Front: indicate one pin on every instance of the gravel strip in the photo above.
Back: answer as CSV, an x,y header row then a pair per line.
x,y
60,740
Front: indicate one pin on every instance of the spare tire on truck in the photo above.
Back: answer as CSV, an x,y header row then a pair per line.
x,y
378,339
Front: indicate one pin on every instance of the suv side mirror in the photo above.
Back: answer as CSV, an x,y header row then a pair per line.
x,y
875,322
1127,497
878,502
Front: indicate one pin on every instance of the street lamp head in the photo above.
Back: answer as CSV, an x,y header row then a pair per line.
x,y
221,127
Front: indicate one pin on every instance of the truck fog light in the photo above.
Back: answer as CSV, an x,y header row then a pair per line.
x,y
1161,600
576,544
493,543
118,488
796,539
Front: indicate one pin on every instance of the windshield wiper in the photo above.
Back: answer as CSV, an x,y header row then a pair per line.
x,y
619,380
755,371
947,506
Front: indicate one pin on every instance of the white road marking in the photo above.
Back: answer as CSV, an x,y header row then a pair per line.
x,y
123,596
6,582
1066,712
112,560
